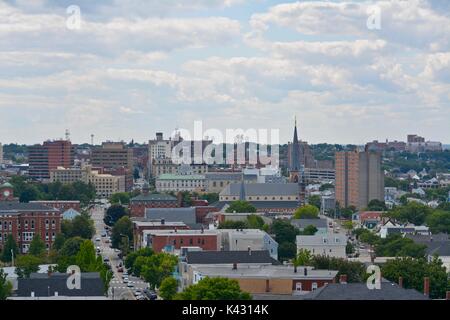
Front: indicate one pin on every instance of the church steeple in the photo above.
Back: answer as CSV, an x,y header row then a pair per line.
x,y
295,150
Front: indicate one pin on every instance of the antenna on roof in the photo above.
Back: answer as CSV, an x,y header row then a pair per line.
x,y
67,135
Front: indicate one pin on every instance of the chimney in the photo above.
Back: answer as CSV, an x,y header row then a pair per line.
x,y
400,282
343,279
426,286
235,266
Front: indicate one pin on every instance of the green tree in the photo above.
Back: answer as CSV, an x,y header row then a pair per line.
x,y
168,288
412,212
315,200
241,207
122,233
82,226
413,272
230,224
26,265
309,230
368,237
307,212
439,221
37,246
286,251
284,231
255,222
214,289
397,246
120,198
157,267
59,241
376,205
86,258
9,248
347,225
349,248
131,257
5,286
113,214
355,271
303,258
326,186
71,246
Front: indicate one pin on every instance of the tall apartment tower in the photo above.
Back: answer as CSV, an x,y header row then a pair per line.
x,y
359,178
50,155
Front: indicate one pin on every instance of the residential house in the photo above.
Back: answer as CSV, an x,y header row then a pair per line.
x,y
331,244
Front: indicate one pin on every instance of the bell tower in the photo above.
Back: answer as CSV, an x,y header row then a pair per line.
x,y
6,192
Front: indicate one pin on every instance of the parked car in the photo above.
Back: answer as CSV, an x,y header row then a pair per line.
x,y
130,285
151,295
125,280
97,239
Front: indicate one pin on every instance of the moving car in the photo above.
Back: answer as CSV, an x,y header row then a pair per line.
x,y
130,285
151,295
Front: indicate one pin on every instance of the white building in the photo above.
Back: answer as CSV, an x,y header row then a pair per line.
x,y
180,182
331,244
244,239
1,153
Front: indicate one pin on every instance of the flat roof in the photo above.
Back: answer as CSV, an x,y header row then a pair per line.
x,y
263,271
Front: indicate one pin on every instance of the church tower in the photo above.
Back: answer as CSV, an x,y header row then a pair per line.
x,y
294,168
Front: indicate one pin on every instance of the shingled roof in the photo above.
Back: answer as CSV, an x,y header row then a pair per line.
x,y
44,285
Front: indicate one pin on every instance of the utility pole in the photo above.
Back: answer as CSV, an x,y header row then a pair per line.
x,y
12,257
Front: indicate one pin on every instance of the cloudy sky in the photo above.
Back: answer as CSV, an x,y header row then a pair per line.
x,y
134,67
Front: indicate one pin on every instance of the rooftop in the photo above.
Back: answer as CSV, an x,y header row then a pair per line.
x,y
303,223
360,291
13,207
264,271
319,240
186,215
168,176
229,257
154,197
262,189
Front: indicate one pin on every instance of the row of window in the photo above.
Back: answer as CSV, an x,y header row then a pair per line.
x,y
191,241
259,198
8,225
28,236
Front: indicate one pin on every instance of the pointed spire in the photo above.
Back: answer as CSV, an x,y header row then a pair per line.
x,y
295,151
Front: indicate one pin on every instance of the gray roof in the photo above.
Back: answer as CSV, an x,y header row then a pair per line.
x,y
154,197
436,244
42,284
13,207
303,223
229,257
186,215
223,176
261,189
360,291
264,204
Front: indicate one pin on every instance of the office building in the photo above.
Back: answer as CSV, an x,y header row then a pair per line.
x,y
50,155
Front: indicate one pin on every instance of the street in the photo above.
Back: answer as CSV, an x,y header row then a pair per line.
x,y
118,289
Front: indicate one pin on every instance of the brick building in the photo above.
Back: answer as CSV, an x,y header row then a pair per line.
x,y
174,240
50,155
146,200
61,205
24,220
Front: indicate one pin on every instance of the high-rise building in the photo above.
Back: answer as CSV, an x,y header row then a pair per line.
x,y
114,158
1,153
48,156
359,178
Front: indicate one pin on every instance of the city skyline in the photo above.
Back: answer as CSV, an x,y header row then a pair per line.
x,y
133,69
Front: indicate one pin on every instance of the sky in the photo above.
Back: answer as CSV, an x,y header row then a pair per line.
x,y
349,71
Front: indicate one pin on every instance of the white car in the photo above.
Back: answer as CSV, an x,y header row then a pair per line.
x,y
130,285
97,239
125,280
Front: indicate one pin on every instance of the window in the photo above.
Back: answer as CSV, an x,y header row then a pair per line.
x,y
191,241
314,286
32,224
